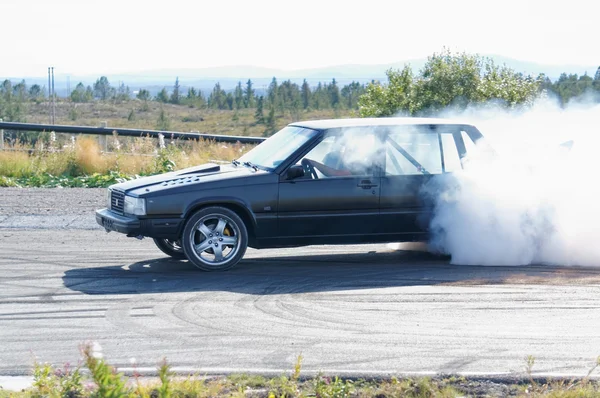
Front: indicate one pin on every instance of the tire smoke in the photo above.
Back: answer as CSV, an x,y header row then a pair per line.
x,y
535,199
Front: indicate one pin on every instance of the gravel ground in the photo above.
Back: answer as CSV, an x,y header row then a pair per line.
x,y
45,201
50,208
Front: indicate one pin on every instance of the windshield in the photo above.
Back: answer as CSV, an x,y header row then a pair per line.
x,y
277,148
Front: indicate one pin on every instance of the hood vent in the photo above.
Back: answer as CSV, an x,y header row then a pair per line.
x,y
184,180
209,168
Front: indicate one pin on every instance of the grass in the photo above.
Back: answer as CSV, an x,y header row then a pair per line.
x,y
97,378
136,114
83,163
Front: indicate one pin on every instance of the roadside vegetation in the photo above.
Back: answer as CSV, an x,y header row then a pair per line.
x,y
82,162
448,81
95,377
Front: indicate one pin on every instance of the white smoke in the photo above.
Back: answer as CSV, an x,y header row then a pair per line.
x,y
535,201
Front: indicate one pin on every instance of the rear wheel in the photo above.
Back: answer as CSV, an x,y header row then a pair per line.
x,y
170,247
214,238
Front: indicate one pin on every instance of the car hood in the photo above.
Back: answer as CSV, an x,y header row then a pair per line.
x,y
202,174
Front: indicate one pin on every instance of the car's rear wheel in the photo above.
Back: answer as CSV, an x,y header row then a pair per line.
x,y
214,238
170,247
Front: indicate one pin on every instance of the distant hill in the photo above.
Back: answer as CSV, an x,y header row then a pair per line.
x,y
228,76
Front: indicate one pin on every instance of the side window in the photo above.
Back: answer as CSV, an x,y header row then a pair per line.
x,y
451,156
413,153
469,144
341,155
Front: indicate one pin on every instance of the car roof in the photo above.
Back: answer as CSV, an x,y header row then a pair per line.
x,y
374,122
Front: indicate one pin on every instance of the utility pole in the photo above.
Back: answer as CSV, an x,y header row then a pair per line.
x,y
1,138
53,99
49,97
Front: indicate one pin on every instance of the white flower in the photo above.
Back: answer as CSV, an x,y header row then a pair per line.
x,y
96,350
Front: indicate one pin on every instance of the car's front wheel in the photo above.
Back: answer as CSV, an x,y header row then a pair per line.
x,y
170,247
214,238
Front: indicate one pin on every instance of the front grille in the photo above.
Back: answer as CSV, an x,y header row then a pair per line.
x,y
117,201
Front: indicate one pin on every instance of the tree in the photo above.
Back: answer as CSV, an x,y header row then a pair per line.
x,y
258,115
320,97
397,96
596,83
306,94
334,94
13,108
200,99
175,97
162,96
20,91
123,93
351,93
504,84
36,92
229,100
80,94
6,89
249,95
163,122
217,98
239,96
270,122
103,89
192,94
568,86
89,92
448,80
273,93
143,95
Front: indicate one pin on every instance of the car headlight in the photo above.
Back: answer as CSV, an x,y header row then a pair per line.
x,y
108,199
135,206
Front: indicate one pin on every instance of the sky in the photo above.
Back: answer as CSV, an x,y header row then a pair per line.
x,y
83,37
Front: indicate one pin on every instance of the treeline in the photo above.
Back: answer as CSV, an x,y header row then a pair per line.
x,y
573,86
284,96
14,97
447,81
457,80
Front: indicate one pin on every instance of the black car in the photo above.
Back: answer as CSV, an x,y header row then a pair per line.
x,y
316,182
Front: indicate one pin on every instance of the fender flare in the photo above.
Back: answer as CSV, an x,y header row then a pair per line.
x,y
237,203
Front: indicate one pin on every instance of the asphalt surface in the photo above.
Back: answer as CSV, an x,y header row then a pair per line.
x,y
365,310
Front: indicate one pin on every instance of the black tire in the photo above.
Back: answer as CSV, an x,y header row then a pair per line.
x,y
170,248
214,238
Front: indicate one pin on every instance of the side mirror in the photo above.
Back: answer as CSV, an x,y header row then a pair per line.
x,y
295,172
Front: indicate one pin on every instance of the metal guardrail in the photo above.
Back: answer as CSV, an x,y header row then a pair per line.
x,y
127,132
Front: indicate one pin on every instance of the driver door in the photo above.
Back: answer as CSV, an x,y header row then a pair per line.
x,y
327,204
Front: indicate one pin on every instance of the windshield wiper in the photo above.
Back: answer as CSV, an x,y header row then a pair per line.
x,y
235,162
248,164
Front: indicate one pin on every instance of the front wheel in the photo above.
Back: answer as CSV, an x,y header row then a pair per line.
x,y
214,239
170,247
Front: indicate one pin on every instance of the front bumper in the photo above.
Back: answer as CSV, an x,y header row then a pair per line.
x,y
167,228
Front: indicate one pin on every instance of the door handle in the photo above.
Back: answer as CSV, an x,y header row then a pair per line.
x,y
366,184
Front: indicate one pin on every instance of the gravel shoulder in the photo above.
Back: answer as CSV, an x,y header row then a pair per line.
x,y
50,208
51,201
